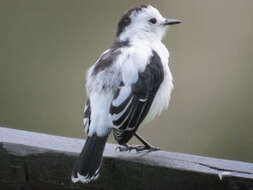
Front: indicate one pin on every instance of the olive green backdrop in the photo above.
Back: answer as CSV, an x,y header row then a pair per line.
x,y
46,47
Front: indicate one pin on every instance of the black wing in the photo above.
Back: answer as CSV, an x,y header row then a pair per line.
x,y
138,98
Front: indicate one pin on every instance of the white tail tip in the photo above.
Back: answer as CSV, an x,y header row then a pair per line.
x,y
84,179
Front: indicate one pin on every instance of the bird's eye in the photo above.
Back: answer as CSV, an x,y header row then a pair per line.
x,y
153,20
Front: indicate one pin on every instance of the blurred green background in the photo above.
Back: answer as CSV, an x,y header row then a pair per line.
x,y
46,47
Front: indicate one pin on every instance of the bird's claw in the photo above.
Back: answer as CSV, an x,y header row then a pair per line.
x,y
122,148
138,148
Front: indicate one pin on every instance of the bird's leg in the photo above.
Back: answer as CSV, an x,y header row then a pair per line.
x,y
138,148
146,146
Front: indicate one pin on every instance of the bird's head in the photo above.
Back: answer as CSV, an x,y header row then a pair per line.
x,y
144,22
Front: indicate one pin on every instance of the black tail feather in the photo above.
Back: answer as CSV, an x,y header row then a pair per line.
x,y
88,164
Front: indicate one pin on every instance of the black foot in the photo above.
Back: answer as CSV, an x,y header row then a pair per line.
x,y
138,148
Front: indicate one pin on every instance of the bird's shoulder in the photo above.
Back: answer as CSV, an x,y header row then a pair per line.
x,y
126,61
137,61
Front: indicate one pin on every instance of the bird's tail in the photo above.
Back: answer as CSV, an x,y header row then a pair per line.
x,y
88,164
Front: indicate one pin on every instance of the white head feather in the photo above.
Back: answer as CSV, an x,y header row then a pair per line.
x,y
137,23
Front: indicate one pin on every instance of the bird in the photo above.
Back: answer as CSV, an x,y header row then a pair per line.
x,y
126,87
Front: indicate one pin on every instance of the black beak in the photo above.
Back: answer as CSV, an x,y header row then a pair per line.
x,y
170,21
